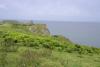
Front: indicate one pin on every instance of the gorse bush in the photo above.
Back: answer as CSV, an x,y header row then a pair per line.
x,y
15,39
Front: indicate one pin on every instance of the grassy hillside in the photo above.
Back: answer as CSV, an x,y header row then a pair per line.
x,y
28,27
21,47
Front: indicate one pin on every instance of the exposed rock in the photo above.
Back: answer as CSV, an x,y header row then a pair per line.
x,y
39,29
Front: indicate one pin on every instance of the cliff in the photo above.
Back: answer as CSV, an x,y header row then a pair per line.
x,y
24,26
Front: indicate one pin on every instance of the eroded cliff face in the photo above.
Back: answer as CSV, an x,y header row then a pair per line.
x,y
39,29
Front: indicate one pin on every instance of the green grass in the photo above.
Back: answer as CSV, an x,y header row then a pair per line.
x,y
19,47
44,57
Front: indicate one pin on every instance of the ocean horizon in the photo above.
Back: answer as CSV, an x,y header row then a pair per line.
x,y
85,33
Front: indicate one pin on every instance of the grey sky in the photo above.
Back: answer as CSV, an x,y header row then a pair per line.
x,y
59,10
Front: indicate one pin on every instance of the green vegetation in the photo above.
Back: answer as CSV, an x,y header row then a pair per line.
x,y
21,47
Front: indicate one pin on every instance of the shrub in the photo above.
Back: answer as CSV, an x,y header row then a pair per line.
x,y
28,58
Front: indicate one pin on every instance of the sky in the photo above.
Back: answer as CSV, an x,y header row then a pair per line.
x,y
53,10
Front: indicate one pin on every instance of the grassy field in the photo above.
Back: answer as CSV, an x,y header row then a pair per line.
x,y
19,47
30,57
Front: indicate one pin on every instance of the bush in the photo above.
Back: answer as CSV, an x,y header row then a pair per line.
x,y
28,58
15,39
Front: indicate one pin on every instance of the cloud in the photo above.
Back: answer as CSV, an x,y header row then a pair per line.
x,y
2,6
51,9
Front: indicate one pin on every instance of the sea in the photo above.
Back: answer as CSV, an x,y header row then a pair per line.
x,y
83,33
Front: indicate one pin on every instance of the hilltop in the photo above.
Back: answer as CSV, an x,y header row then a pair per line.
x,y
25,44
24,26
